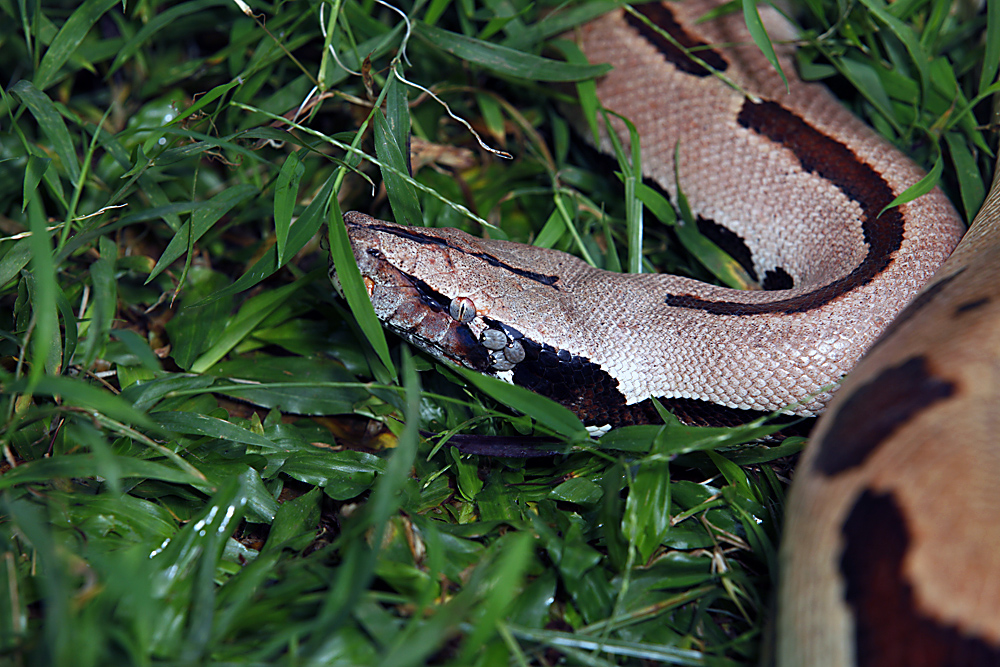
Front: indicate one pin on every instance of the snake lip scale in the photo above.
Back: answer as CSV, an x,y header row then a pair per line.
x,y
801,187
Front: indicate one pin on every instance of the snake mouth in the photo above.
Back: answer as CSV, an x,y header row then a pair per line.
x,y
423,316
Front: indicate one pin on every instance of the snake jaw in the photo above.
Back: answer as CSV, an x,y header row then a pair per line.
x,y
437,289
447,328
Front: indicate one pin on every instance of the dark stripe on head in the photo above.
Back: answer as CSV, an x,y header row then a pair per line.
x,y
875,411
430,297
675,53
835,162
429,239
890,628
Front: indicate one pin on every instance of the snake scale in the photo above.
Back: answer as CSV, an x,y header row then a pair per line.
x,y
884,523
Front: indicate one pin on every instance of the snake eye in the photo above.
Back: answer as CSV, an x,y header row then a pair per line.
x,y
376,253
462,309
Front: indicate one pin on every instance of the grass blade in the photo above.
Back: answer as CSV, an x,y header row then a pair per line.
x,y
51,123
506,61
286,191
68,39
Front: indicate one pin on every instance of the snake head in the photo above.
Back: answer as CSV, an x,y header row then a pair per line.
x,y
520,313
453,295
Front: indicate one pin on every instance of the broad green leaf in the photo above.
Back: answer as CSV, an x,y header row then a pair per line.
x,y
341,475
305,386
295,520
16,258
190,423
578,490
145,395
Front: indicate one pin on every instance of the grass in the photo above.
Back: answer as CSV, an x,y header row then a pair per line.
x,y
208,459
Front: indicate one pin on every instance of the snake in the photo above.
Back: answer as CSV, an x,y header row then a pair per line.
x,y
884,524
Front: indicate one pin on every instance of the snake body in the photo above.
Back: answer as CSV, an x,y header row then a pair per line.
x,y
800,187
891,554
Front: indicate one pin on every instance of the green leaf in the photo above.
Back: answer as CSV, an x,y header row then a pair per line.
x,y
353,289
146,395
965,170
921,187
89,465
154,24
301,385
250,315
190,423
904,34
647,508
76,392
578,490
102,311
15,259
51,123
864,76
205,215
33,173
68,39
760,37
286,191
341,475
45,338
295,521
397,113
991,57
305,227
138,347
402,197
506,61
544,410
187,566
